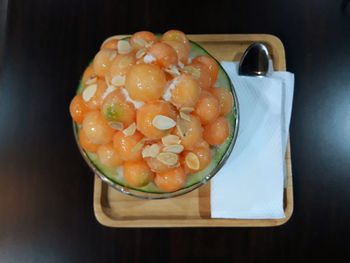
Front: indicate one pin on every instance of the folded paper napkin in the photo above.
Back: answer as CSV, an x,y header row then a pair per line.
x,y
250,184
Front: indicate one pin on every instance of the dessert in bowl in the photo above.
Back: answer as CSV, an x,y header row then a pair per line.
x,y
155,116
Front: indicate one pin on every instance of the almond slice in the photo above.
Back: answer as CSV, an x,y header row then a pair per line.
x,y
171,140
140,53
89,92
173,70
179,127
113,55
185,116
116,125
124,47
187,109
130,130
192,161
176,148
162,122
118,80
151,151
140,42
90,81
138,146
195,72
168,158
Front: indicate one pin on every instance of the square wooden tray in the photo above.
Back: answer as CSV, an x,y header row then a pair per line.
x,y
114,209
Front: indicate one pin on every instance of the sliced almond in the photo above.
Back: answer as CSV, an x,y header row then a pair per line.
x,y
116,125
140,53
113,55
192,161
187,109
140,42
179,128
185,116
162,122
173,70
124,47
171,140
195,72
151,151
168,158
138,146
130,130
90,81
118,80
176,148
89,92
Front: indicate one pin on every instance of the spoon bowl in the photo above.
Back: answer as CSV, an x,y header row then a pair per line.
x,y
255,61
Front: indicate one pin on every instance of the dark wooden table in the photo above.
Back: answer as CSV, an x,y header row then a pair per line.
x,y
46,212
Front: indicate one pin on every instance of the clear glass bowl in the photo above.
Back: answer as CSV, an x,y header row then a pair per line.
x,y
221,154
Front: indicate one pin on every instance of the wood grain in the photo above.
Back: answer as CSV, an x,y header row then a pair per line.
x,y
114,209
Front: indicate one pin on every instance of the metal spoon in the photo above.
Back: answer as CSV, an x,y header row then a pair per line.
x,y
255,61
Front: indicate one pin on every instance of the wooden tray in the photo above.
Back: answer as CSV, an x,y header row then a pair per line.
x,y
114,209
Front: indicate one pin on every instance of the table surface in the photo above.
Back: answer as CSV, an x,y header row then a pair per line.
x,y
46,212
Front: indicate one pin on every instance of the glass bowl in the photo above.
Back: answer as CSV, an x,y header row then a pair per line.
x,y
220,154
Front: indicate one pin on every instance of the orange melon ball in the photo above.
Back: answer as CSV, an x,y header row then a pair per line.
x,y
111,43
129,148
211,64
171,180
225,99
142,38
157,166
164,54
137,173
145,82
217,131
200,73
190,132
115,108
119,67
96,129
78,109
207,108
108,156
181,49
88,74
103,60
146,114
95,102
177,35
85,143
186,92
204,156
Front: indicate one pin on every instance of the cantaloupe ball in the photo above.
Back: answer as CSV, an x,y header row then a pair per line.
x,y
216,132
137,173
129,148
171,180
207,108
145,82
108,156
96,129
186,92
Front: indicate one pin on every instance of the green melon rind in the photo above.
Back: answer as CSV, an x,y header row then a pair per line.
x,y
218,152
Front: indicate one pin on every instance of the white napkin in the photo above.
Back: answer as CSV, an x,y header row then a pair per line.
x,y
250,184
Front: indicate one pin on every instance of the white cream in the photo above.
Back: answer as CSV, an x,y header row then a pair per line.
x,y
137,104
169,88
149,58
